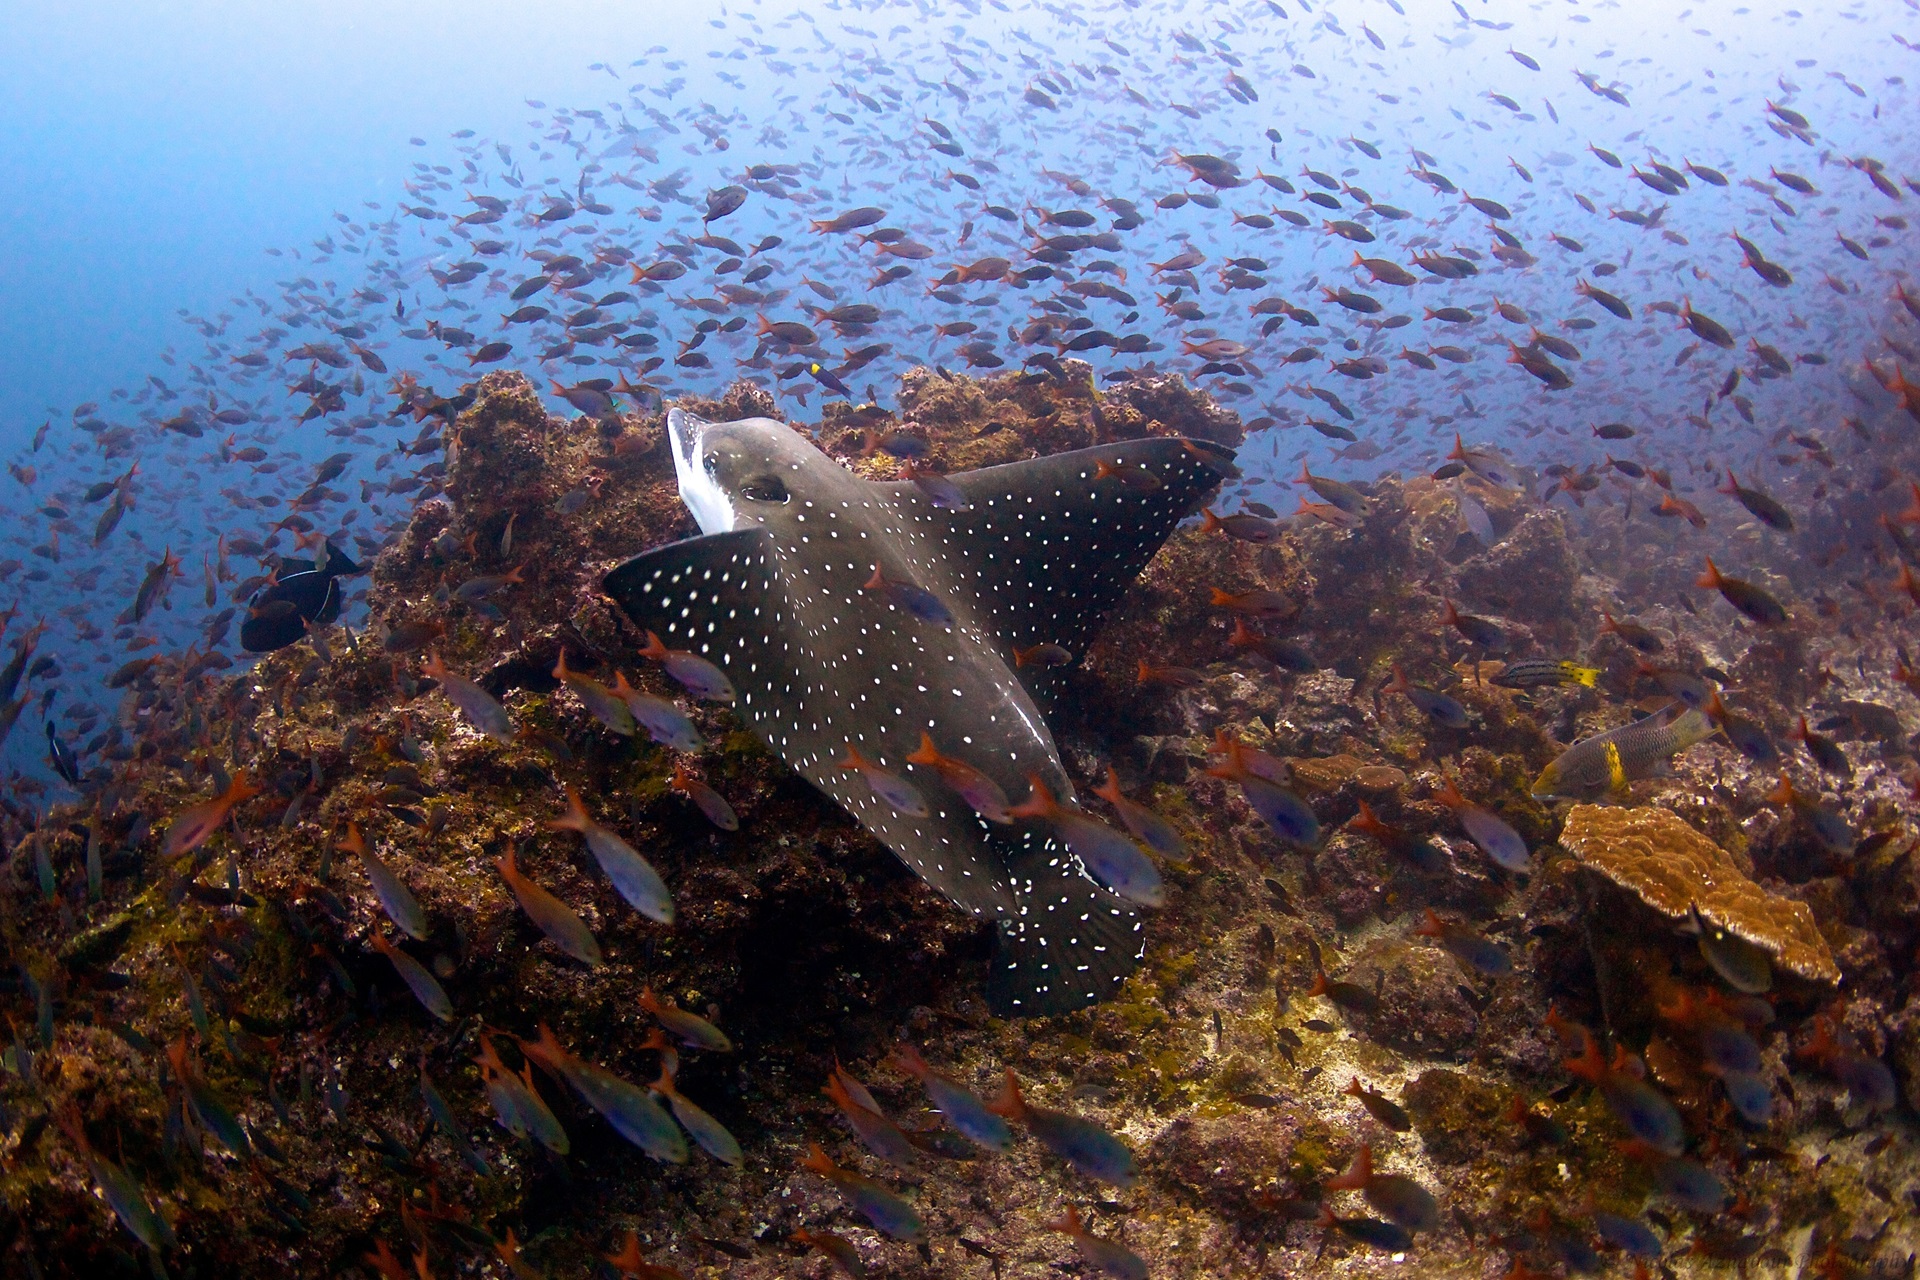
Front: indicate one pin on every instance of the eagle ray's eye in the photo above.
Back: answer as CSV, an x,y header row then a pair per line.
x,y
764,488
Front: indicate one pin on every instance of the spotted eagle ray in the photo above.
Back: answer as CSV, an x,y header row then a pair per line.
x,y
774,591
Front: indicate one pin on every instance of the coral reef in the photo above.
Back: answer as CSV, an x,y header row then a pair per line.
x,y
1278,977
1675,870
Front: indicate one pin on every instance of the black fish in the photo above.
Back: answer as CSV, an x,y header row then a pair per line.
x,y
773,593
278,616
61,755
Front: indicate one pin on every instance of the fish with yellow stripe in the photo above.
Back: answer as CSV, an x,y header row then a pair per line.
x,y
1534,673
1606,763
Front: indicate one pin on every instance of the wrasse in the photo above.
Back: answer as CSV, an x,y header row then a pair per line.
x,y
888,1212
1398,1198
1466,943
1758,606
193,826
1493,834
1643,1110
1416,850
482,710
629,1109
875,1129
632,875
981,793
554,918
1608,762
1080,1142
1103,1254
696,675
1535,673
1436,706
1113,859
963,1111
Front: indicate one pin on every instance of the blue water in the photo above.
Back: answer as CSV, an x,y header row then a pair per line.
x,y
205,181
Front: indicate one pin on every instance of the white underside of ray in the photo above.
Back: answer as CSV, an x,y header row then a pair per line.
x,y
711,507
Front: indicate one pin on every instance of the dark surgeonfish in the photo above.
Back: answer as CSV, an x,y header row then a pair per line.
x,y
300,594
779,593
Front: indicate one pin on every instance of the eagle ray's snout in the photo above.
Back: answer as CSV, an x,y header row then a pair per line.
x,y
702,493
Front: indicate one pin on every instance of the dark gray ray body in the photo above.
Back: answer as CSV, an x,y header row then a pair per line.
x,y
773,593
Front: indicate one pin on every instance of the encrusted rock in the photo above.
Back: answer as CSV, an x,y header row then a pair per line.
x,y
1528,575
1423,1011
1223,1162
1453,1114
1672,868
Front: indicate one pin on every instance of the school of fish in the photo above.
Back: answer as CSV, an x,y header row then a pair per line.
x,y
971,573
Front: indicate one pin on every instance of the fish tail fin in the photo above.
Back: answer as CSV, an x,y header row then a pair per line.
x,y
1066,944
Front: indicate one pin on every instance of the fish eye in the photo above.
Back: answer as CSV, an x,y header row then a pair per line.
x,y
766,487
